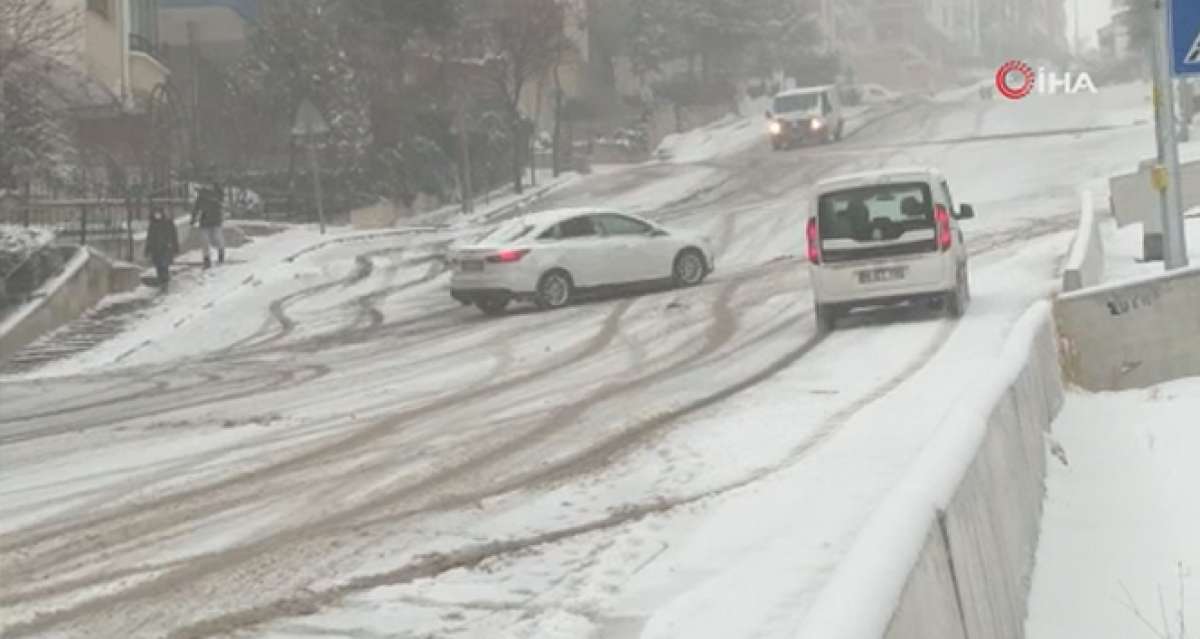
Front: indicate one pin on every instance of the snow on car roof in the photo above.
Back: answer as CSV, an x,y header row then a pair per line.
x,y
805,90
554,216
882,175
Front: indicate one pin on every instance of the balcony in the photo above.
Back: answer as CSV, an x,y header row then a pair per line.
x,y
146,67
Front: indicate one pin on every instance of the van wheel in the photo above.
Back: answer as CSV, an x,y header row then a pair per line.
x,y
959,299
555,290
826,317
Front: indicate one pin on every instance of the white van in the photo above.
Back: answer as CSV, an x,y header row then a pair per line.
x,y
886,237
810,114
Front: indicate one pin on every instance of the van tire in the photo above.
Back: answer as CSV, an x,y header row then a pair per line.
x,y
826,316
959,299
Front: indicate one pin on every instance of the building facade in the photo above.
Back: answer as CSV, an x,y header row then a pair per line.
x,y
115,48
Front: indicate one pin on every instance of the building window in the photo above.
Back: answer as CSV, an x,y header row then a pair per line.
x,y
143,25
100,7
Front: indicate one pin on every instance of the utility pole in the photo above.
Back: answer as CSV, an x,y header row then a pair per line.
x,y
309,125
1166,173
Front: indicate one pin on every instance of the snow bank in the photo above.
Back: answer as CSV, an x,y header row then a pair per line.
x,y
980,479
1121,519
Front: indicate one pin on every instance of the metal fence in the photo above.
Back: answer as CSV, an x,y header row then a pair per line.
x,y
112,222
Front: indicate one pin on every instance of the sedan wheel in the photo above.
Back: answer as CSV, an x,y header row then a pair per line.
x,y
690,268
554,290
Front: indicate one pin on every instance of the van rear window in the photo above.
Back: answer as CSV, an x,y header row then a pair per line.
x,y
876,221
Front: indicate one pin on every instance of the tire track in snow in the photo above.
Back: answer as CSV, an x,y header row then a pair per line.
x,y
179,510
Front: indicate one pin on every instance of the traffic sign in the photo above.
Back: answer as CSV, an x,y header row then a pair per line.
x,y
1184,22
309,121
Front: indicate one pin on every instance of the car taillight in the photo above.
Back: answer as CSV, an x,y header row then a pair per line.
x,y
814,241
945,236
507,256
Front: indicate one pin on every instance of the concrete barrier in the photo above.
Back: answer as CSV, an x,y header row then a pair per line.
x,y
1134,201
950,552
1132,334
1085,262
88,277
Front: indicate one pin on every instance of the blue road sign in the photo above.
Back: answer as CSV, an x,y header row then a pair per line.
x,y
1184,23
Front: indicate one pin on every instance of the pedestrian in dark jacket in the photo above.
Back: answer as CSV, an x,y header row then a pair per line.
x,y
162,245
208,212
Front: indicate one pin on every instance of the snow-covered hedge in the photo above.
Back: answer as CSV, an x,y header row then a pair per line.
x,y
27,259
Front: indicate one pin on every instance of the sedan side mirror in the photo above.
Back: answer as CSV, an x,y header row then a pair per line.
x,y
770,116
657,233
966,212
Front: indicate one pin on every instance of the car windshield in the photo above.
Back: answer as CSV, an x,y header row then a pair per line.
x,y
797,102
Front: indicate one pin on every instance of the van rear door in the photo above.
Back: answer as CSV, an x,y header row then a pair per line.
x,y
879,238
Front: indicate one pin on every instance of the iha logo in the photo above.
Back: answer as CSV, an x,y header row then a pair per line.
x,y
1016,80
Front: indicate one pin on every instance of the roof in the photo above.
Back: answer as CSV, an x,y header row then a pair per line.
x,y
806,90
881,175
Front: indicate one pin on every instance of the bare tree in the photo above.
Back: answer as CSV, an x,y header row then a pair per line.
x,y
32,29
524,40
34,35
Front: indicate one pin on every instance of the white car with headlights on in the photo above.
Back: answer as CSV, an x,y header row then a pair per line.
x,y
811,114
887,237
553,257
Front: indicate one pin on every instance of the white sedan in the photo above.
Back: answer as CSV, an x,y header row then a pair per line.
x,y
549,258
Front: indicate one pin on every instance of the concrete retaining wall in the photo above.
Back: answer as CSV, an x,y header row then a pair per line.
x,y
88,277
1085,262
1132,334
950,552
987,535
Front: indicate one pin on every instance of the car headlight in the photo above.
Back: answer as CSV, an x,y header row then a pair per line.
x,y
775,127
817,124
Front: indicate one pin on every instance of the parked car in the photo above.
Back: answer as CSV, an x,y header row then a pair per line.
x,y
886,237
872,94
553,257
811,114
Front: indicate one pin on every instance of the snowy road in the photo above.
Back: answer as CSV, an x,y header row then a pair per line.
x,y
331,446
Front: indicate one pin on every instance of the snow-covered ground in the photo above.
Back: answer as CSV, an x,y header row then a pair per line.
x,y
1119,555
347,445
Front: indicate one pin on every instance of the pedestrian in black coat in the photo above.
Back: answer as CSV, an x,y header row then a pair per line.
x,y
162,245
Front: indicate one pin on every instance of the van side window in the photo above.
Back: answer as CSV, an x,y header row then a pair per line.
x,y
826,106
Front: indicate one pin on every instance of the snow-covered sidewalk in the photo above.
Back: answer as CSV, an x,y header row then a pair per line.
x,y
1119,556
1123,249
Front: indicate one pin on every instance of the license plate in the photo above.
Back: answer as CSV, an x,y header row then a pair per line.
x,y
890,274
471,266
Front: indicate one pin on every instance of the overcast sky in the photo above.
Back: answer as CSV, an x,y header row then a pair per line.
x,y
1093,14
